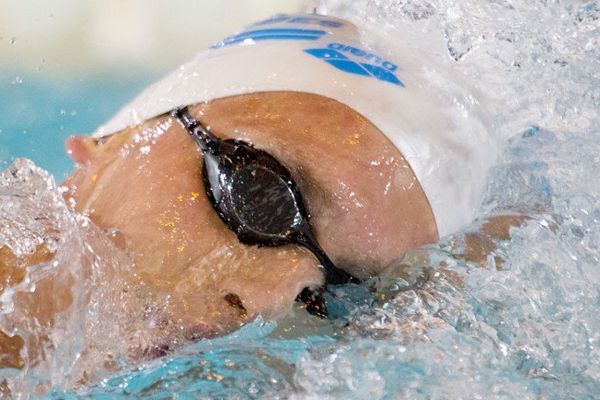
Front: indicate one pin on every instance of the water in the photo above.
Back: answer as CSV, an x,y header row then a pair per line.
x,y
522,323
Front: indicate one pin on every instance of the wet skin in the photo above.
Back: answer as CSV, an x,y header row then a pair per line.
x,y
366,206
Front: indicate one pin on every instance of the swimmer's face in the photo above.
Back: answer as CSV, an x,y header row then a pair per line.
x,y
366,206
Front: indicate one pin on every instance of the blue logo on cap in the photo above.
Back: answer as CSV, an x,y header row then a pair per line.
x,y
272,34
331,55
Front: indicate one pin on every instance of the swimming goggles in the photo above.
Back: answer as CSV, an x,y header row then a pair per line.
x,y
255,195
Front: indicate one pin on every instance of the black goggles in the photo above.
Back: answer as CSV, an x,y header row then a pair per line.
x,y
255,195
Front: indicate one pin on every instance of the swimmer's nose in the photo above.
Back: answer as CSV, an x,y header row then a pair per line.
x,y
80,148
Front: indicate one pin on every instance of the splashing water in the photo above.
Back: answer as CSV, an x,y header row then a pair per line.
x,y
71,308
521,323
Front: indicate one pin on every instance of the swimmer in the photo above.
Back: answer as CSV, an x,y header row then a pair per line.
x,y
351,155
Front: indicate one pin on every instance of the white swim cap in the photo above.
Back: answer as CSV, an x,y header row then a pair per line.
x,y
413,101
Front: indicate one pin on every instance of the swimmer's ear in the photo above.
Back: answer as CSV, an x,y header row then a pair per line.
x,y
80,148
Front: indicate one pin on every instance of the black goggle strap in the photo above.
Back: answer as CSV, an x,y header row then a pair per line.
x,y
333,275
203,137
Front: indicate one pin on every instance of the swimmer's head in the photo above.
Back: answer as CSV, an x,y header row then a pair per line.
x,y
385,153
366,206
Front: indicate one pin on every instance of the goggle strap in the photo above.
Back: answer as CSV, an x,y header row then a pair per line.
x,y
203,137
333,275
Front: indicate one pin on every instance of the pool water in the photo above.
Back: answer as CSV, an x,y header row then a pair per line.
x,y
524,325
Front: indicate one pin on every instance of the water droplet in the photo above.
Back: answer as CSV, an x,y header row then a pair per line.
x,y
13,40
252,389
17,81
73,113
62,112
